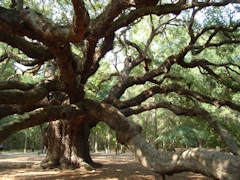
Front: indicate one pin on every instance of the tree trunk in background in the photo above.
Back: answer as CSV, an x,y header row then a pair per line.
x,y
107,143
145,125
6,144
95,142
155,129
200,143
25,141
41,138
68,145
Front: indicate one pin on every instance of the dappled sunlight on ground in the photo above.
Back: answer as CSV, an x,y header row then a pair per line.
x,y
115,167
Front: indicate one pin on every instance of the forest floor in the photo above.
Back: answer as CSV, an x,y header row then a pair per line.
x,y
20,166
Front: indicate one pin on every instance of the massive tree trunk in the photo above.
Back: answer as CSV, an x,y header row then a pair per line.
x,y
70,122
67,143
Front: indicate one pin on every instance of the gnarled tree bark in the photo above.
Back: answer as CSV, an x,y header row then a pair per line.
x,y
67,144
72,116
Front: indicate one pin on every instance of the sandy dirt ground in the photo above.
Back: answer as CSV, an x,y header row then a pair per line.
x,y
115,167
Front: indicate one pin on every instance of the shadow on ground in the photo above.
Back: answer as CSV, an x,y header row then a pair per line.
x,y
116,167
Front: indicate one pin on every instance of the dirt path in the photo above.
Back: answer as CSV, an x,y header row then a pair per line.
x,y
116,167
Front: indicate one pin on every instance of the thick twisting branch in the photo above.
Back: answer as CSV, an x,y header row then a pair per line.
x,y
40,116
33,50
33,95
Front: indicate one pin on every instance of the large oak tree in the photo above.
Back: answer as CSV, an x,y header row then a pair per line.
x,y
73,50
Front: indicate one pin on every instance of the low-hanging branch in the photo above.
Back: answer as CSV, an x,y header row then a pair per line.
x,y
163,162
39,116
10,109
195,111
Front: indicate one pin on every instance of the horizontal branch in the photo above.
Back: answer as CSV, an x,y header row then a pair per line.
x,y
179,90
44,27
124,20
11,23
33,95
161,104
33,50
203,98
34,25
7,85
216,29
40,116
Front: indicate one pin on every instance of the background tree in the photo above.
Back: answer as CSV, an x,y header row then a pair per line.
x,y
183,57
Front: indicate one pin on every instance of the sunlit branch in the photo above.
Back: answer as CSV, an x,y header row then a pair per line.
x,y
23,61
81,20
44,27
